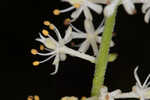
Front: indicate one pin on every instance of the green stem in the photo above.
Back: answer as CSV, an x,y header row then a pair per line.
x,y
102,60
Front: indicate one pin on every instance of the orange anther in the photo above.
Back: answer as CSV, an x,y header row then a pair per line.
x,y
36,97
56,12
30,98
34,51
41,47
45,32
51,26
83,98
67,21
47,23
36,63
76,5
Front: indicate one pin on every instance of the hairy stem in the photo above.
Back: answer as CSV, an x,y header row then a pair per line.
x,y
101,63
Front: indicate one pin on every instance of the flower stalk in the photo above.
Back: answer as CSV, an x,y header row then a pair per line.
x,y
102,60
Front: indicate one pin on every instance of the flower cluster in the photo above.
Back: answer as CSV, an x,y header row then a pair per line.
x,y
96,6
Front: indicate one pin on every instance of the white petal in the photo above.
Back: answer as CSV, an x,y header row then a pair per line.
x,y
76,35
68,35
99,30
99,39
87,13
63,57
88,25
76,13
98,1
95,7
56,63
145,6
84,46
147,16
94,47
129,6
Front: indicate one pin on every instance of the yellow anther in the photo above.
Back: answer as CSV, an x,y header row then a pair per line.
x,y
47,23
67,21
34,51
51,26
36,63
83,98
64,98
41,47
76,5
45,32
36,97
30,98
56,12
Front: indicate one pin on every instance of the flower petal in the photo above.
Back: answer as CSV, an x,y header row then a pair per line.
x,y
95,7
84,46
68,35
129,6
76,13
147,16
76,35
88,25
87,13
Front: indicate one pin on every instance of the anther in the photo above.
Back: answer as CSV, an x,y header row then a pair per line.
x,y
45,32
34,51
76,5
41,47
83,98
47,23
36,63
67,21
51,26
36,97
30,98
56,12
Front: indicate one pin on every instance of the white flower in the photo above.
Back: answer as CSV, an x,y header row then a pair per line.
x,y
80,5
128,5
146,10
143,91
57,48
91,36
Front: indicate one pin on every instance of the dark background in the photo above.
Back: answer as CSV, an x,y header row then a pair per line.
x,y
20,22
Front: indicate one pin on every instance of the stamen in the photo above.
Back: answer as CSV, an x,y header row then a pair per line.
x,y
36,63
42,47
47,59
36,97
47,23
53,27
46,54
34,51
76,5
45,32
57,11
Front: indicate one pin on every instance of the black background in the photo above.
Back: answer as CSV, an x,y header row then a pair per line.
x,y
20,22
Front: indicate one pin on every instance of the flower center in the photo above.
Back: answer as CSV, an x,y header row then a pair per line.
x,y
91,36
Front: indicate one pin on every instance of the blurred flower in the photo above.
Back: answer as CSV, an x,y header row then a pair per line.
x,y
80,5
